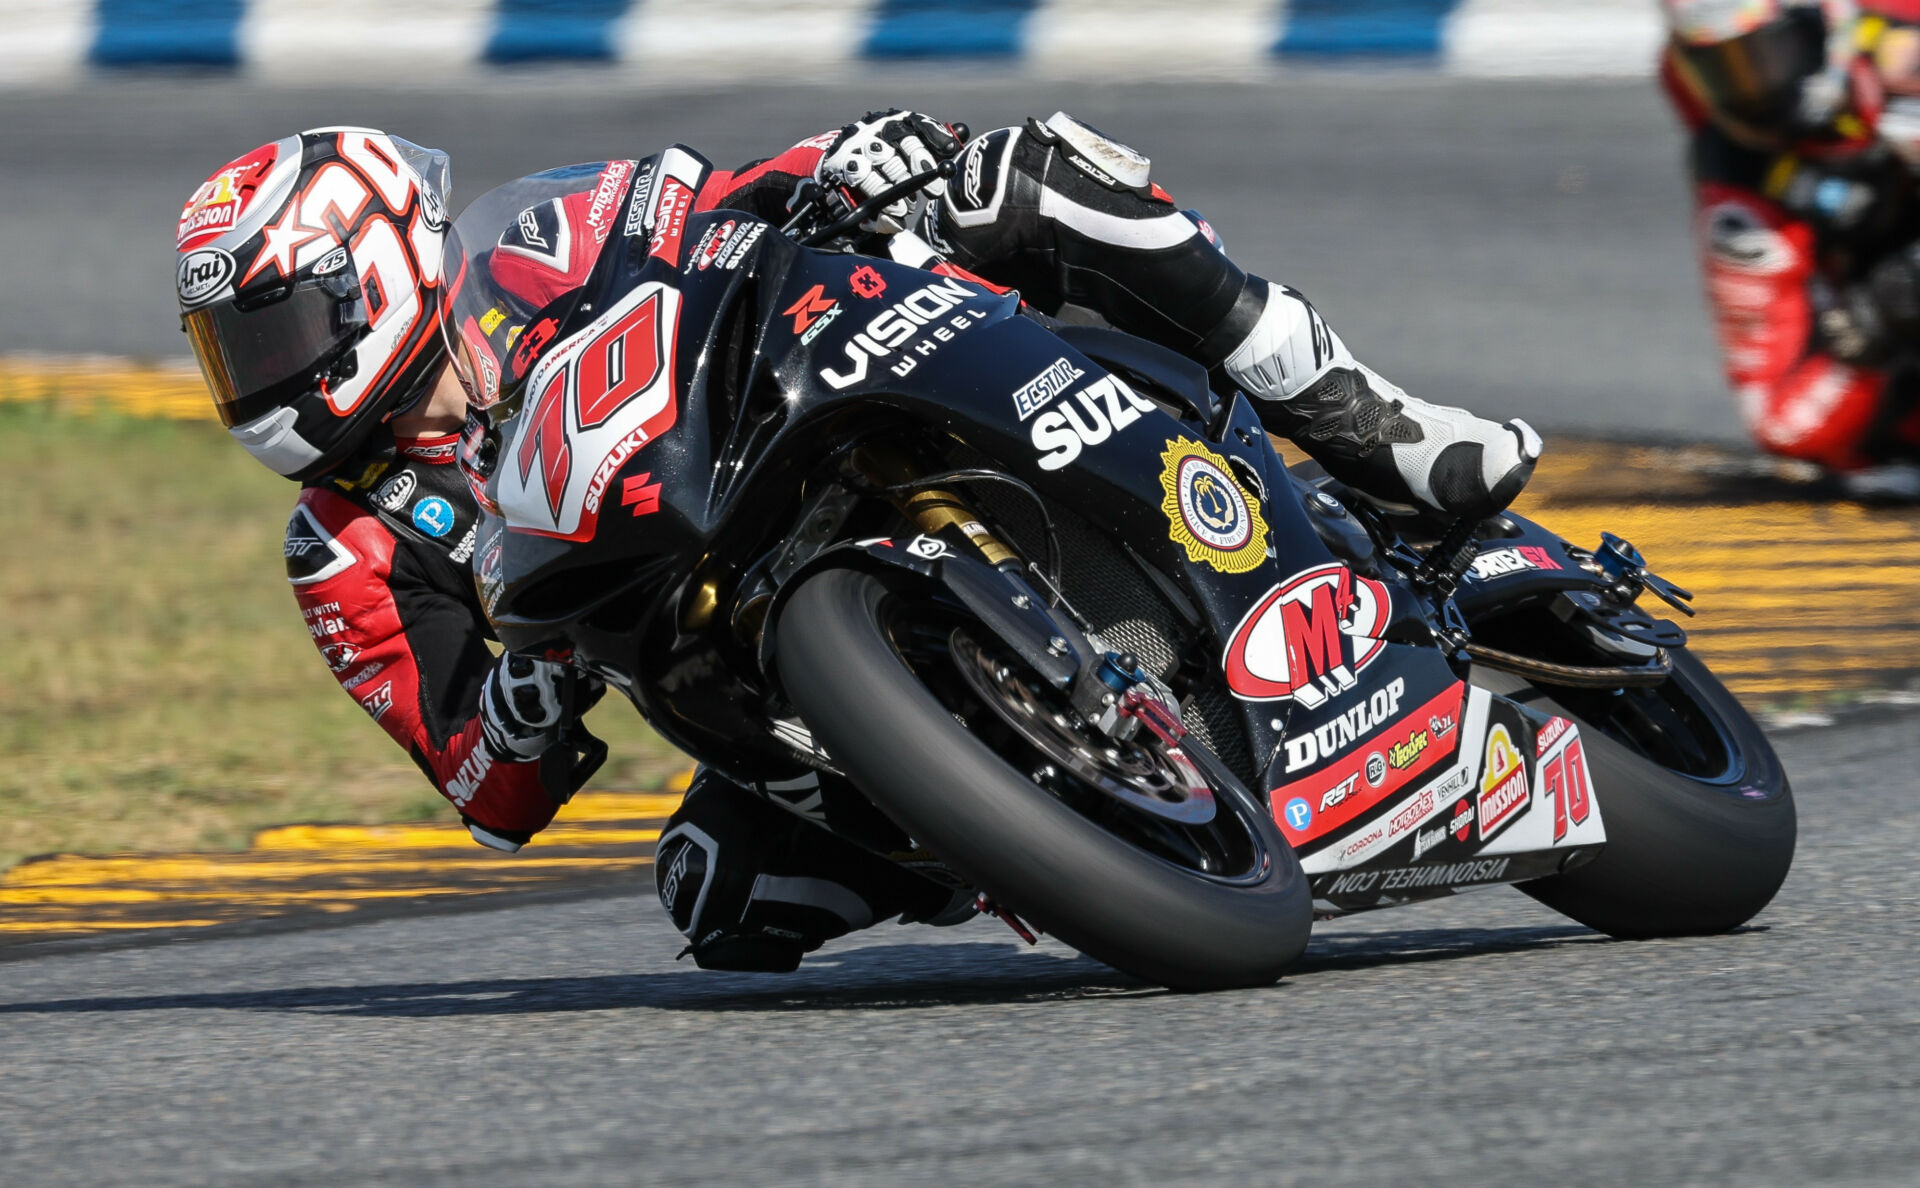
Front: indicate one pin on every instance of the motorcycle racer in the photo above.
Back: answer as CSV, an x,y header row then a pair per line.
x,y
305,304
1804,118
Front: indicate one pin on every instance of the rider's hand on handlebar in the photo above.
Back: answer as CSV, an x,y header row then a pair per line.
x,y
884,149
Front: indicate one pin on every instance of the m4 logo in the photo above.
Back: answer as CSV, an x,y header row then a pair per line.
x,y
1308,637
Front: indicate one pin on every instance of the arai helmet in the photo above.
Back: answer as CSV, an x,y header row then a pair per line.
x,y
309,284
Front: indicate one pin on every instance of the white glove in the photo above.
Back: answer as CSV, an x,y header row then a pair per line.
x,y
522,705
880,151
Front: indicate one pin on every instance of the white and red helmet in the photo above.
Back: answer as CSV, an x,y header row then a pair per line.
x,y
309,284
1777,73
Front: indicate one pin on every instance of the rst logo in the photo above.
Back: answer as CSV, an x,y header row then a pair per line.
x,y
1088,417
894,327
1308,637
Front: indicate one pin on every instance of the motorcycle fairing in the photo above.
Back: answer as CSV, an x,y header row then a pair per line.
x,y
1491,791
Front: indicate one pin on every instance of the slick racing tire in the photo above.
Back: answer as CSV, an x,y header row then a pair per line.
x,y
841,662
1697,809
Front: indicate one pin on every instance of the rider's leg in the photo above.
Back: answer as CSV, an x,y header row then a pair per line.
x,y
755,887
1067,215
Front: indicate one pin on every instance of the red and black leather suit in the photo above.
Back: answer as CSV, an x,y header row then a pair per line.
x,y
383,575
1790,243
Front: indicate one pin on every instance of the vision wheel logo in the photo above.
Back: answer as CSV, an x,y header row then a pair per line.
x,y
1208,514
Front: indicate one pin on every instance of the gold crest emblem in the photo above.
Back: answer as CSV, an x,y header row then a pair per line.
x,y
1208,514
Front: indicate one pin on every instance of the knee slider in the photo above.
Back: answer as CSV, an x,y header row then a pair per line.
x,y
1095,154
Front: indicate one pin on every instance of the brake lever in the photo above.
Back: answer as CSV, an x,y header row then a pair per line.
x,y
874,205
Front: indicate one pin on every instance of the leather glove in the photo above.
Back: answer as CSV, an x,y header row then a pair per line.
x,y
884,149
522,704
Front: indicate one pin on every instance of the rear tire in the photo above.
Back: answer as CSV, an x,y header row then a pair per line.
x,y
1687,853
1027,849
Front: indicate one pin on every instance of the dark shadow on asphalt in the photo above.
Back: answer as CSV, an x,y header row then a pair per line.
x,y
870,977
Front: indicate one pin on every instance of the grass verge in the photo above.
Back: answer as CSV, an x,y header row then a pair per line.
x,y
157,688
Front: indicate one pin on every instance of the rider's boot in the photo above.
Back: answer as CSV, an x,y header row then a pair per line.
x,y
754,887
1368,433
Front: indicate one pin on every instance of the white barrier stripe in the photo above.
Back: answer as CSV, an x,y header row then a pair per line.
x,y
742,39
301,39
737,41
1526,38
1099,38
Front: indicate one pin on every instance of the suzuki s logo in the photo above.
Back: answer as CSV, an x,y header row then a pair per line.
x,y
1308,637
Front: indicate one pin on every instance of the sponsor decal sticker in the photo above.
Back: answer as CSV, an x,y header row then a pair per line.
x,y
600,209
1208,515
203,276
913,327
1338,790
339,656
1376,769
928,548
1417,810
1045,388
1337,795
1503,783
433,516
1452,874
378,702
638,492
1427,839
393,494
1462,823
1407,750
1298,814
311,552
216,206
1308,638
867,282
440,451
1550,734
670,222
1501,562
1361,722
812,306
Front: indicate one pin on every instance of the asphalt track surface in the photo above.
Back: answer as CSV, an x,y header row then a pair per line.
x,y
1482,1040
1522,248
1515,246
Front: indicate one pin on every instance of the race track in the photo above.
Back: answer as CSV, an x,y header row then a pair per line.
x,y
1482,1040
1519,247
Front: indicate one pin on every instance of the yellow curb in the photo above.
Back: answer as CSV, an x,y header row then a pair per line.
x,y
325,868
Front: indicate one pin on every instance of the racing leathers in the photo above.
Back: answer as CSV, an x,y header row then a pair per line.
x,y
1812,266
379,555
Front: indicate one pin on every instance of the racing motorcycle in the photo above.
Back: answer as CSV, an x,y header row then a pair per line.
x,y
1048,619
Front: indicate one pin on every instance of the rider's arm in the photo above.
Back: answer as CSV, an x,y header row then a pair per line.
x,y
764,188
413,655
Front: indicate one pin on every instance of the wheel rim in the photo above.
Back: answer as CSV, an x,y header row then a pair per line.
x,y
1225,849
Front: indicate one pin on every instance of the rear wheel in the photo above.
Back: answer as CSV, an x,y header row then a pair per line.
x,y
1698,811
1100,844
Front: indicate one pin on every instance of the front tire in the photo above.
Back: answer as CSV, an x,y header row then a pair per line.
x,y
1698,811
1027,849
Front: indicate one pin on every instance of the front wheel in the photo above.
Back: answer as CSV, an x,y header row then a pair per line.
x,y
1187,904
1698,812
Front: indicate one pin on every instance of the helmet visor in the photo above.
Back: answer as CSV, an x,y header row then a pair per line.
x,y
255,355
1757,76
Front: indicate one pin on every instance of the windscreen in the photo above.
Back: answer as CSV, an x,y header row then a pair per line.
x,y
516,259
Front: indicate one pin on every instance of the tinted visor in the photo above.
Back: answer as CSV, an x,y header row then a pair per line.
x,y
259,353
1756,77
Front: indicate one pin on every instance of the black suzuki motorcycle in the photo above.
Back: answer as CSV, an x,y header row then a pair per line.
x,y
1050,618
